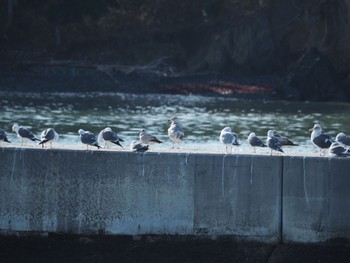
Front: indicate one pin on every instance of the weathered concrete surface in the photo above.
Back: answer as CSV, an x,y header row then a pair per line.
x,y
266,198
95,191
238,194
316,199
127,193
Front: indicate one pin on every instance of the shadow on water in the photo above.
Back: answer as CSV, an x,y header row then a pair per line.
x,y
202,117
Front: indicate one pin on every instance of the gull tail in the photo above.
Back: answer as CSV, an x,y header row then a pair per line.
x,y
35,139
6,140
118,143
96,145
43,141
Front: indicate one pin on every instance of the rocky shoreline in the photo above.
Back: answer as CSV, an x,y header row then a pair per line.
x,y
312,78
68,76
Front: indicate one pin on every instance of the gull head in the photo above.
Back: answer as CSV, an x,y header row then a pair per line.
x,y
317,127
15,128
270,133
226,129
81,131
174,119
340,136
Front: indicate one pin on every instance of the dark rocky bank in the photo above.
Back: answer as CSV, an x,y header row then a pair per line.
x,y
290,49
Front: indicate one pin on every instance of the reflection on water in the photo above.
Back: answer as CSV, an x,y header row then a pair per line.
x,y
201,117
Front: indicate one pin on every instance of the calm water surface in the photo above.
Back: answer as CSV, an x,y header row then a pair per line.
x,y
201,117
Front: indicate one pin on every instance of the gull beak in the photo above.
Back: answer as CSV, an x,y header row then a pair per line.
x,y
311,129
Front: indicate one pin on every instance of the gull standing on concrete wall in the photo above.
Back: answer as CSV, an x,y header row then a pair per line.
x,y
336,149
88,138
3,137
137,146
24,134
272,142
320,139
175,132
343,139
284,141
228,138
109,137
48,135
255,141
147,138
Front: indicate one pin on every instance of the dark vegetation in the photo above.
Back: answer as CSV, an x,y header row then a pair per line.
x,y
292,49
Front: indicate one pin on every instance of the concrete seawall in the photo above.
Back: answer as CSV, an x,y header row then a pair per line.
x,y
268,198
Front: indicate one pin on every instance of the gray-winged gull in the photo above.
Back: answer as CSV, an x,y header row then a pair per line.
x,y
175,132
272,142
48,135
88,138
255,141
320,139
343,139
24,134
228,138
336,149
284,141
147,138
109,137
137,146
3,137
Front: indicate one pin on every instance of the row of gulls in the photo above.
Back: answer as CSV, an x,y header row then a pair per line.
x,y
106,137
338,147
274,140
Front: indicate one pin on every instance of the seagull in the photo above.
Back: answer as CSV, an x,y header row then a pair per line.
x,y
147,138
88,138
228,138
24,134
343,139
320,139
284,141
175,132
255,141
272,142
336,149
107,136
48,135
137,146
3,137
